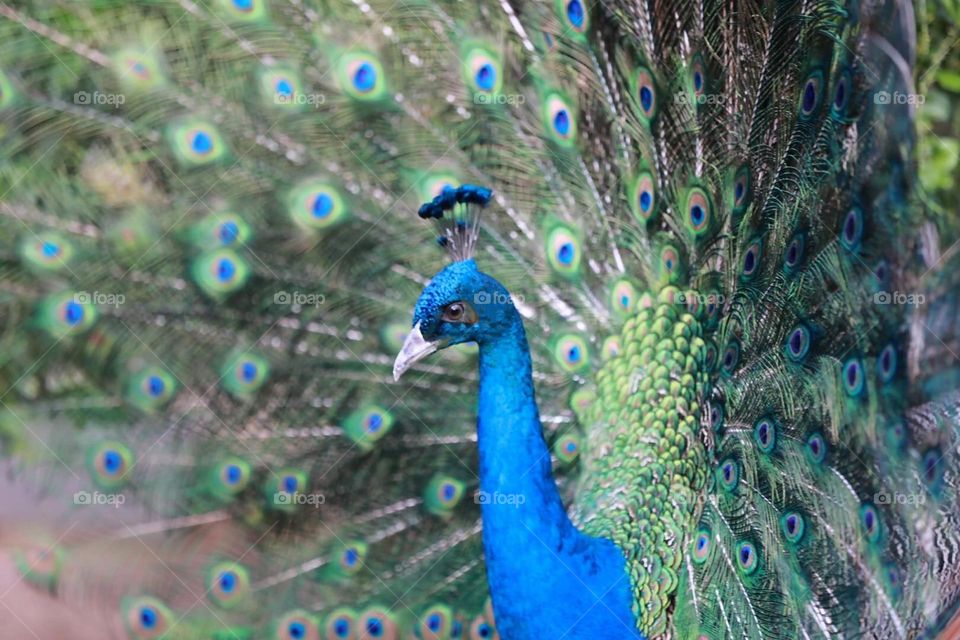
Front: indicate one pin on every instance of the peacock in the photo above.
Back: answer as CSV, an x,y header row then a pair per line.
x,y
437,320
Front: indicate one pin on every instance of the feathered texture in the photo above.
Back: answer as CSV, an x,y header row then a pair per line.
x,y
742,324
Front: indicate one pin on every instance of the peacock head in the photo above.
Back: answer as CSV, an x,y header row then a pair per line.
x,y
461,303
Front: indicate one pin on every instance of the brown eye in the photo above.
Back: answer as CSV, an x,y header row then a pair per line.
x,y
459,312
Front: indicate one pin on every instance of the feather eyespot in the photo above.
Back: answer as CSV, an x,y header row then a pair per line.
x,y
361,76
887,364
699,212
146,618
563,251
731,358
643,199
853,379
728,474
716,416
109,464
567,448
765,435
811,94
228,584
623,296
196,142
377,624
340,624
747,558
794,253
741,189
232,476
751,260
646,93
798,343
816,448
852,231
435,623
841,94
574,15
560,120
442,494
295,625
932,469
870,522
701,546
793,526
572,353
482,72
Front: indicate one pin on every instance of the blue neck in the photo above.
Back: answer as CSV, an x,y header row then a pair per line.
x,y
547,579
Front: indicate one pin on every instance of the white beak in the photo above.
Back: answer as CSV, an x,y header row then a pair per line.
x,y
414,348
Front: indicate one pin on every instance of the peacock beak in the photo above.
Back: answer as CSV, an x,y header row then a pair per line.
x,y
415,348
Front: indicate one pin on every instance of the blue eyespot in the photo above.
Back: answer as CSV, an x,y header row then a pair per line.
x,y
148,617
365,77
234,473
341,627
290,484
566,253
561,121
486,77
798,343
350,557
243,5
296,630
112,461
853,382
322,205
794,255
228,232
226,269
816,448
284,88
73,313
575,13
228,581
201,143
374,628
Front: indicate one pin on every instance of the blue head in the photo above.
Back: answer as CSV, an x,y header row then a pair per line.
x,y
461,304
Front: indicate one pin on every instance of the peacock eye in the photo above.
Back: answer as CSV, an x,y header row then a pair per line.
x,y
459,312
